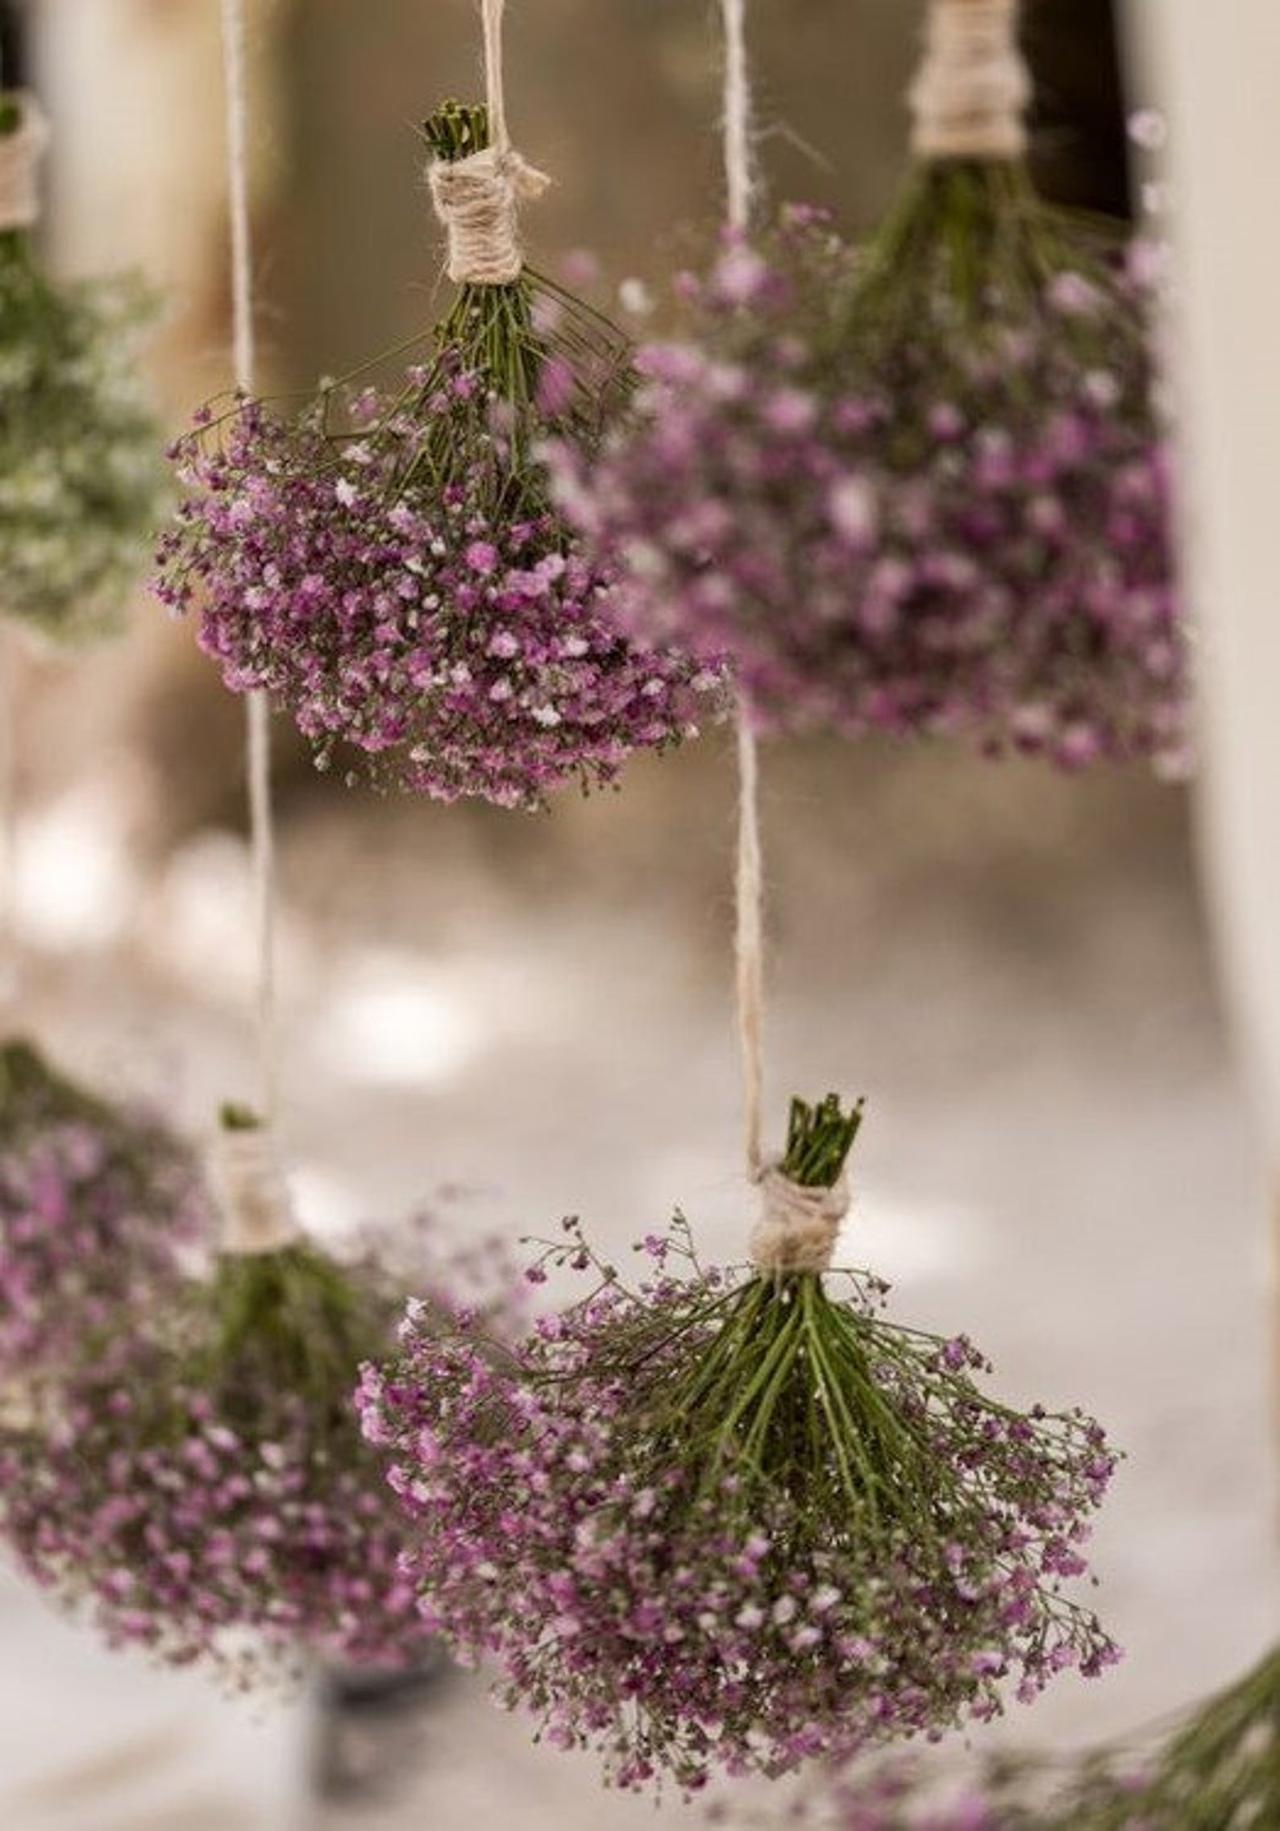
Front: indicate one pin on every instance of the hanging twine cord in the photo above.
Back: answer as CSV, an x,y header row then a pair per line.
x,y
740,190
257,1211
10,937
478,199
20,155
749,944
973,88
798,1227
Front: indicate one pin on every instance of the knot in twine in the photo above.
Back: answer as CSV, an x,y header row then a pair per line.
x,y
257,1208
20,154
972,92
478,200
798,1227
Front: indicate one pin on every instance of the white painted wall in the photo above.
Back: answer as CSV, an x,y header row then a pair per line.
x,y
1215,67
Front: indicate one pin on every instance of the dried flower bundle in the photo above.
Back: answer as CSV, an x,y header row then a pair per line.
x,y
81,482
97,1205
1218,1769
921,488
731,1522
389,567
207,1495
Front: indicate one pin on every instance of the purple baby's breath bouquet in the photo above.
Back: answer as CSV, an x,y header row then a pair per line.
x,y
728,1522
388,564
1216,1769
920,487
207,1495
98,1204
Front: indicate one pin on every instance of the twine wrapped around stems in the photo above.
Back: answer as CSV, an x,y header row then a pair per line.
x,y
257,1208
20,155
478,199
971,94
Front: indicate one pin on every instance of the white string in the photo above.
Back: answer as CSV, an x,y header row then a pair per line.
x,y
749,944
972,90
257,711
491,13
10,952
738,167
740,189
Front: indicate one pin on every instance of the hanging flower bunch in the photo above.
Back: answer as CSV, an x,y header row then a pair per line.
x,y
918,487
731,1522
97,1205
81,485
389,567
207,1495
1217,1770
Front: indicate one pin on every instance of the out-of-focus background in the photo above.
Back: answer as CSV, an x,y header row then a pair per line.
x,y
533,1013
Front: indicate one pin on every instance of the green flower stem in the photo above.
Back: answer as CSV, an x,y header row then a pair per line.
x,y
290,1318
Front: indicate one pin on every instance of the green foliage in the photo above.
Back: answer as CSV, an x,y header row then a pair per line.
x,y
819,1140
1218,1771
291,1321
81,472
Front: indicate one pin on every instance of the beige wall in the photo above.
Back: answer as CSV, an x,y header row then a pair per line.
x,y
1218,69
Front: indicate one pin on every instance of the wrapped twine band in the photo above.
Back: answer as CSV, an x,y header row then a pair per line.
x,y
798,1227
20,155
478,200
257,1208
973,89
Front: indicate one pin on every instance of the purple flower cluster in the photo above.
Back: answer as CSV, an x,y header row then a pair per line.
x,y
200,1541
445,629
649,1595
97,1205
208,1496
910,527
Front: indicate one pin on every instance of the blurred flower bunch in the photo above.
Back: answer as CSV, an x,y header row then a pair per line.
x,y
920,487
388,565
97,1206
205,1492
81,479
1218,1769
725,1524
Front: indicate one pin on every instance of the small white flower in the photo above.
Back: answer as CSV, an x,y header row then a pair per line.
x,y
634,297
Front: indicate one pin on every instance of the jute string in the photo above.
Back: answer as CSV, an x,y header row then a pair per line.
x,y
256,1206
478,199
797,1228
20,155
973,88
10,925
